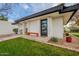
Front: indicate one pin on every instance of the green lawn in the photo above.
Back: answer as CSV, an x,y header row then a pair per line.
x,y
20,46
75,34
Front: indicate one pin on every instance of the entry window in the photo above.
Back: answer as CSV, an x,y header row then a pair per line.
x,y
26,30
44,27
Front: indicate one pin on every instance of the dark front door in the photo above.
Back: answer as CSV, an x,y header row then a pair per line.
x,y
44,27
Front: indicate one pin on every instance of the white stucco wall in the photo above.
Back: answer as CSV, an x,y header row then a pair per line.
x,y
6,28
20,27
55,27
33,26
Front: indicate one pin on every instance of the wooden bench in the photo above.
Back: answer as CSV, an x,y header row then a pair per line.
x,y
29,33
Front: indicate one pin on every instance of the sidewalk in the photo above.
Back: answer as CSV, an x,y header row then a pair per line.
x,y
9,37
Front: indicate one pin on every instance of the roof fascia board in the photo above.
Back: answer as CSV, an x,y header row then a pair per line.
x,y
70,8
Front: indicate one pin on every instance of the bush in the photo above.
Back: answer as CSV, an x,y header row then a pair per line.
x,y
74,29
67,34
54,39
15,30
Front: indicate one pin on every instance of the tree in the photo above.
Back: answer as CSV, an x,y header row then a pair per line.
x,y
5,8
77,21
2,17
15,30
74,29
76,16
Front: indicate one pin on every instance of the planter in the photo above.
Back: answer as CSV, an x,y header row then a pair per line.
x,y
16,33
68,39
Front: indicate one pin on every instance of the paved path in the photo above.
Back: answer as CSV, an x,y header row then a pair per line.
x,y
40,39
9,37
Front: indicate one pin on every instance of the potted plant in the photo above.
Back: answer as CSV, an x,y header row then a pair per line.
x,y
68,38
15,30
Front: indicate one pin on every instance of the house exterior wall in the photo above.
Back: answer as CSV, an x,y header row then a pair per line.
x,y
55,27
20,28
6,28
33,26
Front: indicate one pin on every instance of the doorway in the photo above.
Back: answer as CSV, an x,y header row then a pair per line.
x,y
44,27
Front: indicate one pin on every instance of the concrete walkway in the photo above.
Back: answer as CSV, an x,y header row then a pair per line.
x,y
40,39
9,37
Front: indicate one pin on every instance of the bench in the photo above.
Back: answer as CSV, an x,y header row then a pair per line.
x,y
29,33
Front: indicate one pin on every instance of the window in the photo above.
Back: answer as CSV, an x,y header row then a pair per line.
x,y
44,27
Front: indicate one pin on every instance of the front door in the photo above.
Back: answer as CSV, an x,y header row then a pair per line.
x,y
44,27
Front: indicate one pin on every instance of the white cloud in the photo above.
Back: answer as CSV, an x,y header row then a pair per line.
x,y
36,7
69,4
55,4
23,5
11,21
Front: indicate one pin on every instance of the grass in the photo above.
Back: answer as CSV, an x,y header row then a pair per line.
x,y
75,34
23,47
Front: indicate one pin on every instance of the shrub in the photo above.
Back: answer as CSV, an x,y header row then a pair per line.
x,y
67,34
54,39
15,30
74,29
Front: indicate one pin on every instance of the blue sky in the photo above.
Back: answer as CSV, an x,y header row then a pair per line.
x,y
24,9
